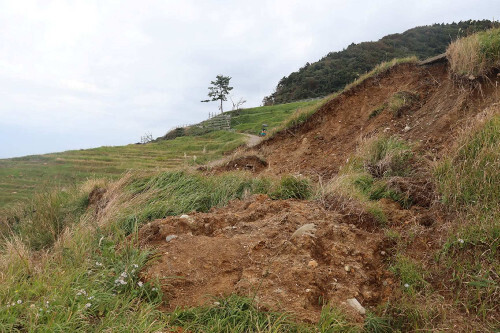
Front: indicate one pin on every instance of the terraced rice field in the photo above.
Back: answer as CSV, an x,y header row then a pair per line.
x,y
21,177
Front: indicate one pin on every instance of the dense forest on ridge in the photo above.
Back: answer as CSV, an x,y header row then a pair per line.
x,y
336,69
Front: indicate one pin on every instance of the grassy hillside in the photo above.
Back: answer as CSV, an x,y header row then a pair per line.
x,y
337,69
251,120
21,177
77,260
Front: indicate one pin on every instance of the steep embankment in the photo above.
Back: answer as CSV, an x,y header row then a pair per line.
x,y
403,221
375,228
431,113
337,69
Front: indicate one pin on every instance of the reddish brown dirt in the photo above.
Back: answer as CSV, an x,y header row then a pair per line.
x,y
249,162
248,248
323,143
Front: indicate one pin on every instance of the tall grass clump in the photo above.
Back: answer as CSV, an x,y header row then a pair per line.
x,y
177,192
402,101
385,157
87,280
42,220
470,177
291,187
476,55
366,178
378,161
240,314
469,183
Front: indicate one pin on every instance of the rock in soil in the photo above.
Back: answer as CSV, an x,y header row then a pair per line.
x,y
247,248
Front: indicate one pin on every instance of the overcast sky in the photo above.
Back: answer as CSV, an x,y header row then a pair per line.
x,y
80,74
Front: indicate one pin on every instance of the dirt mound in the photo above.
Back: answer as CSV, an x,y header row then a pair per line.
x,y
249,162
257,248
96,198
431,117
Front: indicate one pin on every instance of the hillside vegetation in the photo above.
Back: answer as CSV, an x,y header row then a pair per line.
x,y
337,69
21,177
377,211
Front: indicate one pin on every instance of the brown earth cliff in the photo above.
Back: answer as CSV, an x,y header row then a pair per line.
x,y
253,247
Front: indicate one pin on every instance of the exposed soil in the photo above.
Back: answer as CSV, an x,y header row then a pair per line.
x,y
248,162
248,248
323,143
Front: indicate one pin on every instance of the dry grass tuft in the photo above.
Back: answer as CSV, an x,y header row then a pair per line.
x,y
476,55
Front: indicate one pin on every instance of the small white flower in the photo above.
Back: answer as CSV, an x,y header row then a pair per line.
x,y
407,285
13,303
123,282
19,301
123,275
460,240
154,289
91,297
88,305
79,293
140,283
135,266
98,264
8,305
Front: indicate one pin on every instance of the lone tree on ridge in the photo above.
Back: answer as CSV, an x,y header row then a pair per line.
x,y
219,90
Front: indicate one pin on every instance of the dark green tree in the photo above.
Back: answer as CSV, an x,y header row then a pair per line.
x,y
337,69
219,90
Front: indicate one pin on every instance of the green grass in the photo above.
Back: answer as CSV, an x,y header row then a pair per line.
x,y
176,192
368,173
381,68
239,314
476,55
401,101
21,177
471,177
85,285
411,275
251,120
469,184
86,279
378,110
232,314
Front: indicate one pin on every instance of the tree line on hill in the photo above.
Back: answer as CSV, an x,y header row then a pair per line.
x,y
334,71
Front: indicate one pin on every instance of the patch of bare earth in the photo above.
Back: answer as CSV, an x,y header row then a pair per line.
x,y
248,248
323,143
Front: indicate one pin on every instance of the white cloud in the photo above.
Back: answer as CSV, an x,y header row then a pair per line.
x,y
105,72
